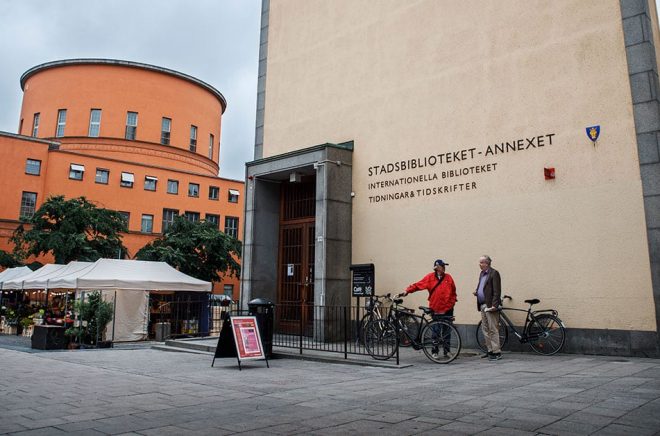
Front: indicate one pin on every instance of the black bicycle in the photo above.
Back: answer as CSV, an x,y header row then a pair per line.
x,y
375,309
434,334
543,330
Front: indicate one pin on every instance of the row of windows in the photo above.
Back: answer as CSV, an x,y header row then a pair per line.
x,y
77,172
131,128
29,204
147,222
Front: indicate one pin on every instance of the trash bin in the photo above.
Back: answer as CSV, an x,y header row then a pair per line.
x,y
264,311
162,331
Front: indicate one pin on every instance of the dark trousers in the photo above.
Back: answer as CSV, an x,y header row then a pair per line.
x,y
444,332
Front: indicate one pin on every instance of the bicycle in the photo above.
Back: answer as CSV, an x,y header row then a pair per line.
x,y
437,337
543,330
374,307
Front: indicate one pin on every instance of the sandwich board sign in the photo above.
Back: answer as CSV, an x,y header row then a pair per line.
x,y
246,340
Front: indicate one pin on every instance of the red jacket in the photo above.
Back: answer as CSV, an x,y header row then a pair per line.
x,y
443,297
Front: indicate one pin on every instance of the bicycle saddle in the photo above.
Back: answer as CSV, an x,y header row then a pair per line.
x,y
533,301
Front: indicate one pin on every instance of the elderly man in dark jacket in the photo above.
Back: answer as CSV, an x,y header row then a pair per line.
x,y
488,294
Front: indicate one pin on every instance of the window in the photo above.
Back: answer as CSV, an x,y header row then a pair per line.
x,y
28,204
191,216
131,125
102,176
231,226
94,123
61,123
127,180
211,139
35,124
214,192
33,166
233,196
76,171
228,290
147,225
165,129
126,216
168,218
214,219
193,138
150,183
172,186
193,190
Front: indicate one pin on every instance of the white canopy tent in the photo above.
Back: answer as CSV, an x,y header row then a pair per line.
x,y
46,270
43,281
13,273
128,283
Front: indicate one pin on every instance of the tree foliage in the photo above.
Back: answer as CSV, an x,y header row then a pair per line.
x,y
74,229
8,260
198,249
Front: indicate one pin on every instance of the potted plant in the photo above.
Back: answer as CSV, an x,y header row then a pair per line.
x,y
93,316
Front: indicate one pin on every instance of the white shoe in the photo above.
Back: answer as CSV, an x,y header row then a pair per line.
x,y
435,355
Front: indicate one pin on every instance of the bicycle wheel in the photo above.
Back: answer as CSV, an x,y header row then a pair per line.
x,y
441,342
481,341
361,326
380,339
546,334
411,326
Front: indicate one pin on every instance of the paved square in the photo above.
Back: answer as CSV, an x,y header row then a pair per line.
x,y
152,392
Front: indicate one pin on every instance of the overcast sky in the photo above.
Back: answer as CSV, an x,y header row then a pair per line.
x,y
216,41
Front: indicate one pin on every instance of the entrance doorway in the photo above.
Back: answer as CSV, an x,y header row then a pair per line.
x,y
295,288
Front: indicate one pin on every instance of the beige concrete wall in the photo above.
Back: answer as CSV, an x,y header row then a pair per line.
x,y
420,79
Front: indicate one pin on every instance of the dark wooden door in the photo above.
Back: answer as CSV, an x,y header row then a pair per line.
x,y
296,258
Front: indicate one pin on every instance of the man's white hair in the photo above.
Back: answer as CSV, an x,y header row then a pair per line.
x,y
487,258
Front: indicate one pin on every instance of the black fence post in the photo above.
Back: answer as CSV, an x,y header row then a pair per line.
x,y
345,332
302,309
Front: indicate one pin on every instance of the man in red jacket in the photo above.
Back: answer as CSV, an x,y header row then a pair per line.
x,y
442,294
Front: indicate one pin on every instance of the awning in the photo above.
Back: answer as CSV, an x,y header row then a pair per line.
x,y
127,177
45,270
76,167
234,192
13,273
155,179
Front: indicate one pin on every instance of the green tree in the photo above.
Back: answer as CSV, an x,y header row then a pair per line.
x,y
8,260
198,249
74,229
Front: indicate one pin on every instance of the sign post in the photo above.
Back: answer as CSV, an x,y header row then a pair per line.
x,y
240,337
363,284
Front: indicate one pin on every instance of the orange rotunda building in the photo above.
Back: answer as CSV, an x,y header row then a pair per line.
x,y
131,137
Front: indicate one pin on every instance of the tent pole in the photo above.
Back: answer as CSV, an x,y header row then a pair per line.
x,y
114,316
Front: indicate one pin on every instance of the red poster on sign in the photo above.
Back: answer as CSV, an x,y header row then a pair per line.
x,y
247,338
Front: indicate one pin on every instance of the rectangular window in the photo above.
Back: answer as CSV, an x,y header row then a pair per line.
x,y
94,123
127,180
165,129
228,290
61,123
35,124
168,218
231,226
76,171
147,225
28,204
193,138
191,216
126,216
131,125
102,176
214,219
33,166
193,190
150,183
214,192
233,196
211,140
172,186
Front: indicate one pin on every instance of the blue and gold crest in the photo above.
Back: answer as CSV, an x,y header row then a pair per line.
x,y
593,133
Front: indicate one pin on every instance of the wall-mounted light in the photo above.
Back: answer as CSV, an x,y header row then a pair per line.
x,y
549,173
295,177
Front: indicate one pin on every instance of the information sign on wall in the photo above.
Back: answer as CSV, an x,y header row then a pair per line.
x,y
363,284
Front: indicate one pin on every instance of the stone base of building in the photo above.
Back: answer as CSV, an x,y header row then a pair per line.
x,y
629,343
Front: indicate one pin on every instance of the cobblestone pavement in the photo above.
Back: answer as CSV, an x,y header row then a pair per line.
x,y
150,392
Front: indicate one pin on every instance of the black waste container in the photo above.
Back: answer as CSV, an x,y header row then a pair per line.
x,y
264,311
